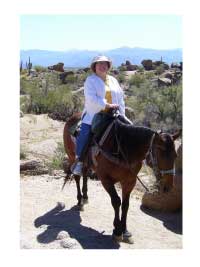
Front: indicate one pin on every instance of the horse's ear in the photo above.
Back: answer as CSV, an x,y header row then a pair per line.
x,y
159,140
177,134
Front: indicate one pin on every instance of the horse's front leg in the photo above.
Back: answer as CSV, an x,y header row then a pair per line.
x,y
116,203
126,190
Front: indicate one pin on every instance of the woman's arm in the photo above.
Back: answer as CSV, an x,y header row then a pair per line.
x,y
93,102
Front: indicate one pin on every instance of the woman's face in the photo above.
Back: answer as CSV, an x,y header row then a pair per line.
x,y
101,68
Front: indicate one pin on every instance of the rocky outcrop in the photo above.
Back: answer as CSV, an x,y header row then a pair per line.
x,y
164,82
147,64
128,66
33,167
176,65
58,67
65,74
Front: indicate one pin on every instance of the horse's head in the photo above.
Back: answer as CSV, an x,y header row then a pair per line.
x,y
161,157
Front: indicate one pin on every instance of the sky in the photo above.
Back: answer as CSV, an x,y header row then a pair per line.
x,y
92,32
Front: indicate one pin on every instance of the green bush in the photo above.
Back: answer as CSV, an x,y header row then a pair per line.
x,y
121,78
49,95
162,107
39,68
159,70
137,79
56,162
122,68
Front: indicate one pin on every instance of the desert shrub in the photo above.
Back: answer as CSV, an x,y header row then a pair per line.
x,y
149,75
121,78
162,107
71,79
140,69
137,79
49,95
159,70
39,68
56,162
122,68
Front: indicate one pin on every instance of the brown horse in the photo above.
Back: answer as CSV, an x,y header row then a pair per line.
x,y
119,159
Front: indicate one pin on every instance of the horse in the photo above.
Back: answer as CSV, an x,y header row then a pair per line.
x,y
119,158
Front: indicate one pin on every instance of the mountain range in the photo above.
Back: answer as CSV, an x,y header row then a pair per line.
x,y
82,58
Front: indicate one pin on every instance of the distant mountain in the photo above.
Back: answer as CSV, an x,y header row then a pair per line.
x,y
82,58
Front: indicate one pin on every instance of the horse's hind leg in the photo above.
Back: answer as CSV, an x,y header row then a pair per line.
x,y
85,189
79,195
116,203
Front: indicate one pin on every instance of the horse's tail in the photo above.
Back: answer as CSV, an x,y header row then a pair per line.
x,y
69,144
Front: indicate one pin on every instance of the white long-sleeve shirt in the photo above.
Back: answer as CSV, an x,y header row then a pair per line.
x,y
94,91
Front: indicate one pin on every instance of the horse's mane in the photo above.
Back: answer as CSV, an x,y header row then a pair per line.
x,y
74,119
134,140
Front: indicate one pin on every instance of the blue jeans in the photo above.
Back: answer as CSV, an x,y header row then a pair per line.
x,y
82,138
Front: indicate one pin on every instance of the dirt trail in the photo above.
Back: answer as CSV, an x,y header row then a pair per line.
x,y
47,224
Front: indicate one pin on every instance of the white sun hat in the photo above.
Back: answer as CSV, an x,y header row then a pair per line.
x,y
99,59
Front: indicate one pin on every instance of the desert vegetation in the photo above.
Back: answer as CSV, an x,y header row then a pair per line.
x,y
153,92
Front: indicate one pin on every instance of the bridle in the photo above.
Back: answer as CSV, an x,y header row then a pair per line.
x,y
154,161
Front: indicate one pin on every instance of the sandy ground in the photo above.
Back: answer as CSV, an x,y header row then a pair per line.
x,y
49,217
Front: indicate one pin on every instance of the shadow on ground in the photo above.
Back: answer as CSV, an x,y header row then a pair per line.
x,y
172,221
58,220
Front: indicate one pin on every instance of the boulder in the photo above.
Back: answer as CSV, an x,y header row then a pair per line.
x,y
128,63
33,167
169,75
164,82
58,67
147,64
131,67
167,202
176,65
65,74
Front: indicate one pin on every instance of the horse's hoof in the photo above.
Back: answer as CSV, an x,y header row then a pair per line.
x,y
85,201
128,240
117,238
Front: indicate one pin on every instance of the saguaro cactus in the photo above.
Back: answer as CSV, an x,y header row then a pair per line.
x,y
29,66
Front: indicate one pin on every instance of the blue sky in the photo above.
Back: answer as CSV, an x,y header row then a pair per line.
x,y
65,32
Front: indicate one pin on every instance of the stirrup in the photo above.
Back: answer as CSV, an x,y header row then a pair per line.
x,y
76,168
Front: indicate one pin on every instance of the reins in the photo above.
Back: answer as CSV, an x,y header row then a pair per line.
x,y
125,158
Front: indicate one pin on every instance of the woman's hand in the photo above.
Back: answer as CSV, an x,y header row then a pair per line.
x,y
112,106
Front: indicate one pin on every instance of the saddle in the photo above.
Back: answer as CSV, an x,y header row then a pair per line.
x,y
100,128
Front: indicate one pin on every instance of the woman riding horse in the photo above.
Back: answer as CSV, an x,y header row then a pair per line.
x,y
133,145
102,92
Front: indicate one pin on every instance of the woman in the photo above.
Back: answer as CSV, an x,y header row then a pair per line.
x,y
102,93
